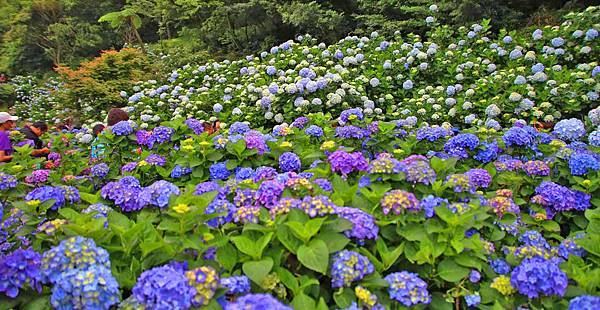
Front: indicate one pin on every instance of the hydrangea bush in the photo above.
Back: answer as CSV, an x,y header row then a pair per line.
x,y
358,212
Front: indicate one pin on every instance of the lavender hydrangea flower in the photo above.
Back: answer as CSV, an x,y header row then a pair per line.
x,y
407,288
124,193
317,206
238,128
38,176
536,168
156,160
417,169
432,134
324,184
348,267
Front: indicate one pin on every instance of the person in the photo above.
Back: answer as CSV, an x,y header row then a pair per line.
x,y
99,128
7,123
33,132
116,115
97,147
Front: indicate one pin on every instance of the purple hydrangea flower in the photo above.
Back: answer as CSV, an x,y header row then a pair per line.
x,y
195,125
156,160
398,200
479,178
269,192
363,223
346,163
38,176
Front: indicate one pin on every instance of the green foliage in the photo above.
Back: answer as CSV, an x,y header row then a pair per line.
x,y
96,84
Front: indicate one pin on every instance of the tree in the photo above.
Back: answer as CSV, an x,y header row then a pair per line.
x,y
128,21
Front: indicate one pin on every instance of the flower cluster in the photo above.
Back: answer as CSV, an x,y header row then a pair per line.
x,y
348,267
407,288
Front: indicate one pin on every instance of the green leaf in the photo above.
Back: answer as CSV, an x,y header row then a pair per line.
x,y
335,241
450,271
246,246
286,238
344,298
288,279
301,301
227,256
89,198
258,270
314,256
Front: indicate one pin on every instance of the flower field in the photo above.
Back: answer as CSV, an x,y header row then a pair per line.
x,y
453,173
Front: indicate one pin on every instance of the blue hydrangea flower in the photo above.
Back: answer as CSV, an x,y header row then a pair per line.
x,y
458,145
349,266
289,161
219,171
100,170
314,130
500,266
570,129
72,253
7,181
536,277
517,136
256,302
582,163
122,128
585,302
18,269
179,171
93,287
473,300
158,193
236,285
238,128
164,287
244,173
488,152
223,207
407,288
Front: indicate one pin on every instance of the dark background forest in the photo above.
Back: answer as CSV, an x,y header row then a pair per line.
x,y
39,35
